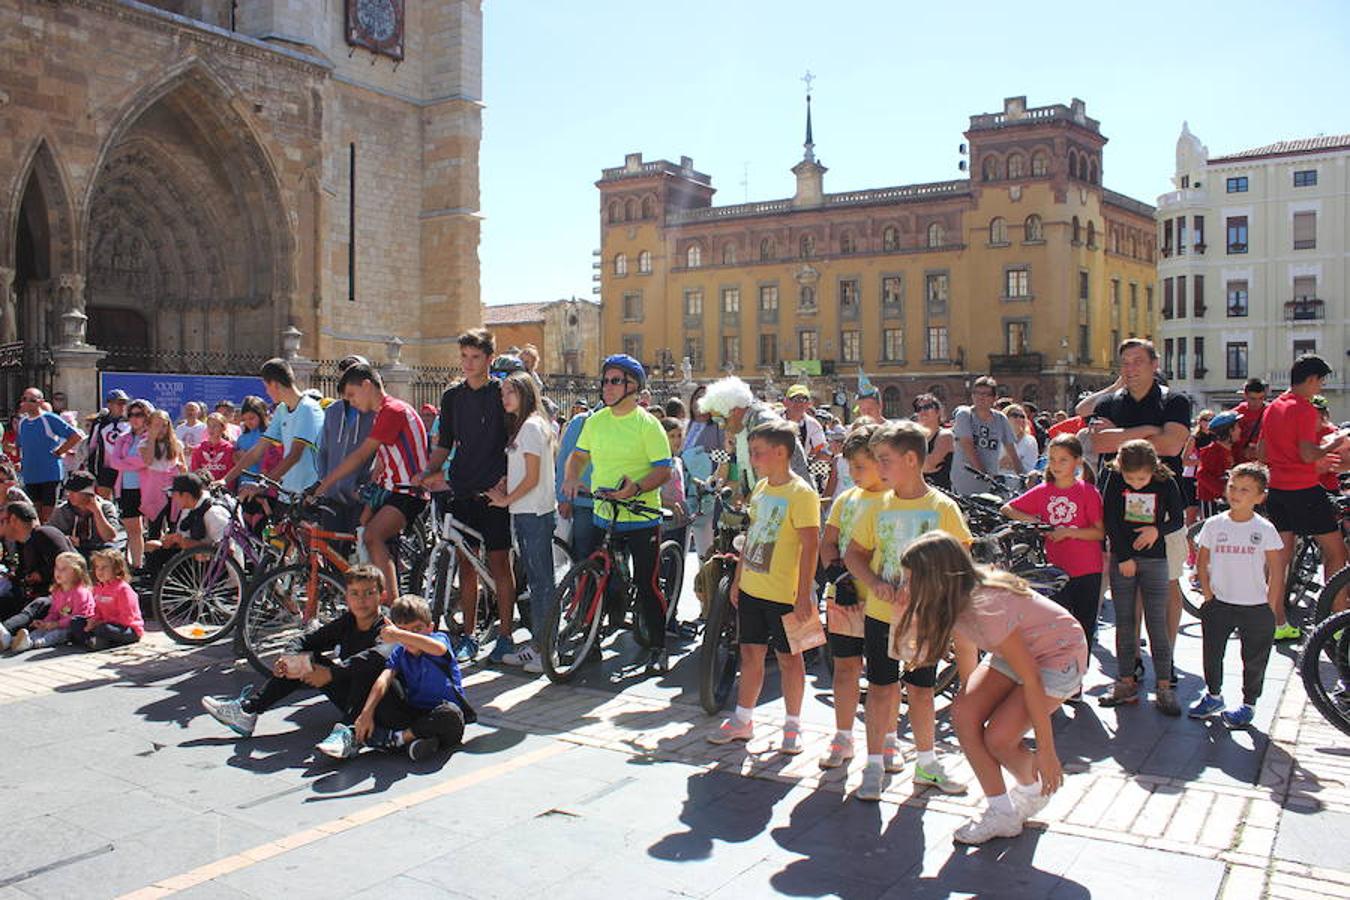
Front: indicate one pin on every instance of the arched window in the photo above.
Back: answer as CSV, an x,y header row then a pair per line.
x,y
1040,163
890,239
648,207
728,254
936,235
1134,246
1092,235
1034,231
693,256
1077,231
1017,165
807,298
766,249
846,243
1092,171
1115,241
621,264
629,210
892,406
613,211
989,170
1082,167
998,230
806,247
645,262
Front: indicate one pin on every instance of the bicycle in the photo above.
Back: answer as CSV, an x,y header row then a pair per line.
x,y
573,628
198,593
1324,666
719,653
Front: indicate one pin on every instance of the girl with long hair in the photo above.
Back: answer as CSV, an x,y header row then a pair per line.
x,y
937,467
1037,656
125,457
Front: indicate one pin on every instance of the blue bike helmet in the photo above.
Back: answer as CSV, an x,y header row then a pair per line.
x,y
505,365
628,365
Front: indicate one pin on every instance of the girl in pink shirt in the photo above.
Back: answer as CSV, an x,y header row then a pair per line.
x,y
1074,508
215,455
72,605
117,610
1037,656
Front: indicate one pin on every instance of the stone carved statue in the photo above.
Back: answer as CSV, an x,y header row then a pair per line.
x,y
9,308
687,371
71,293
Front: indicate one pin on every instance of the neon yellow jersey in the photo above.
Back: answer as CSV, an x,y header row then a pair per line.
x,y
772,546
847,509
887,528
627,446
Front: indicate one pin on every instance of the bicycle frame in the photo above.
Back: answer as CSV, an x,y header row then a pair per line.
x,y
454,532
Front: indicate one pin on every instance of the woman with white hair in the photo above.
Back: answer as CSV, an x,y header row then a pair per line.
x,y
731,400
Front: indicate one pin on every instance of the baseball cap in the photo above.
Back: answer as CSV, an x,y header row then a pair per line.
x,y
836,433
429,410
798,390
80,483
1254,385
116,394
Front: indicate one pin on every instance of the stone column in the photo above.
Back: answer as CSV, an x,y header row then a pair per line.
x,y
76,363
397,377
303,366
9,307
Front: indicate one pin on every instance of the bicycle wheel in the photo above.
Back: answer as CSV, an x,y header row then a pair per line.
x,y
437,575
1334,586
719,656
1324,667
1303,584
573,621
273,614
670,565
197,595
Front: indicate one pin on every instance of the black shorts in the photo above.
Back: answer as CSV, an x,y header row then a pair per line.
x,y
107,478
761,622
42,493
1306,511
129,503
845,646
1188,497
411,507
493,522
881,668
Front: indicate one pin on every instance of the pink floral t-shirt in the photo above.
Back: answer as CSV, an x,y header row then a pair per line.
x,y
1077,506
1052,634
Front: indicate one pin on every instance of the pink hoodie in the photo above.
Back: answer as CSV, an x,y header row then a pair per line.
x,y
156,478
117,604
66,605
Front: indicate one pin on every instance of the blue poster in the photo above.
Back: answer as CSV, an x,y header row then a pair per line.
x,y
169,391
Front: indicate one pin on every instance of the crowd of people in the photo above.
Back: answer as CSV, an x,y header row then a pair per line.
x,y
868,507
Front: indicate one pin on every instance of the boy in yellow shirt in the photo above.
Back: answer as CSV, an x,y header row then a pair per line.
x,y
847,649
775,578
910,508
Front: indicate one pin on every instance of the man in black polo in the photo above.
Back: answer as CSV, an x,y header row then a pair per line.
x,y
473,424
1143,408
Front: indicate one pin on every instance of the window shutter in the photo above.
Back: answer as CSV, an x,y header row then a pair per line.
x,y
1305,230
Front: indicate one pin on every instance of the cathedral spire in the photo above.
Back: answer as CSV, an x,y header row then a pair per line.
x,y
810,145
810,173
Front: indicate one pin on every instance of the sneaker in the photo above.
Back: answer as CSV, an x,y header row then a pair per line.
x,y
1208,705
1238,717
840,752
231,714
989,825
381,739
503,648
731,730
1028,803
933,775
1287,632
1122,692
423,749
1165,699
1139,667
340,743
21,641
522,656
5,638
98,642
534,665
466,651
892,759
870,788
792,742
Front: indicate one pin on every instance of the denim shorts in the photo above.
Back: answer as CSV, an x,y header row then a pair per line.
x,y
1177,550
1058,683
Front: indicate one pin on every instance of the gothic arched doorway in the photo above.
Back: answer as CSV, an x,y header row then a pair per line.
x,y
187,229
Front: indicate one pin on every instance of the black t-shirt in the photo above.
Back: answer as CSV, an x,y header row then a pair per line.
x,y
342,635
1158,407
39,555
473,424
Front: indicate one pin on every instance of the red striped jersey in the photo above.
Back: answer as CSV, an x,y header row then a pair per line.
x,y
403,442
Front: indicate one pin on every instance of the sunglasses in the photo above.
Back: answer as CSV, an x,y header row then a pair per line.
x,y
1016,416
136,414
926,407
615,380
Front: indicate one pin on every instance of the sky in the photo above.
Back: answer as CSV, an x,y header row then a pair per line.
x,y
570,87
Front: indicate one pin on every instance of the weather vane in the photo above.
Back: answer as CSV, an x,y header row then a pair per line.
x,y
808,78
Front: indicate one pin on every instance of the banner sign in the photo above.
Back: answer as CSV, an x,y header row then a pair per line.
x,y
169,391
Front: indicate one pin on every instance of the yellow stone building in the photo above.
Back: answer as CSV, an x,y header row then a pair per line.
x,y
1029,270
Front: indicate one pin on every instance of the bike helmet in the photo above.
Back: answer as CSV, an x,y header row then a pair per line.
x,y
1225,419
628,365
505,365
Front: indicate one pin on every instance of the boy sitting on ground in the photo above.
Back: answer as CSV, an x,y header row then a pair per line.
x,y
418,700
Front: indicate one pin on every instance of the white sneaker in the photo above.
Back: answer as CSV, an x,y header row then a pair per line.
x,y
524,656
839,754
990,824
872,784
892,758
5,638
1028,803
230,713
935,776
21,641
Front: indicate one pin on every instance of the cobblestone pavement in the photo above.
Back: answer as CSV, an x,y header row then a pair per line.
x,y
120,786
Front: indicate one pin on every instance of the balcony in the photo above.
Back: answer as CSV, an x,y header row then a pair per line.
x,y
1015,363
1200,248
1304,309
1201,371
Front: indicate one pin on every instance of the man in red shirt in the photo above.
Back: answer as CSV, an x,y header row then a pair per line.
x,y
1297,503
1249,413
398,438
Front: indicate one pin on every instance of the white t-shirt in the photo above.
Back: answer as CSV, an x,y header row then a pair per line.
x,y
1027,450
1237,557
191,435
535,436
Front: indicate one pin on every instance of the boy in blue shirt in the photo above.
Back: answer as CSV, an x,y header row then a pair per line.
x,y
418,700
43,439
